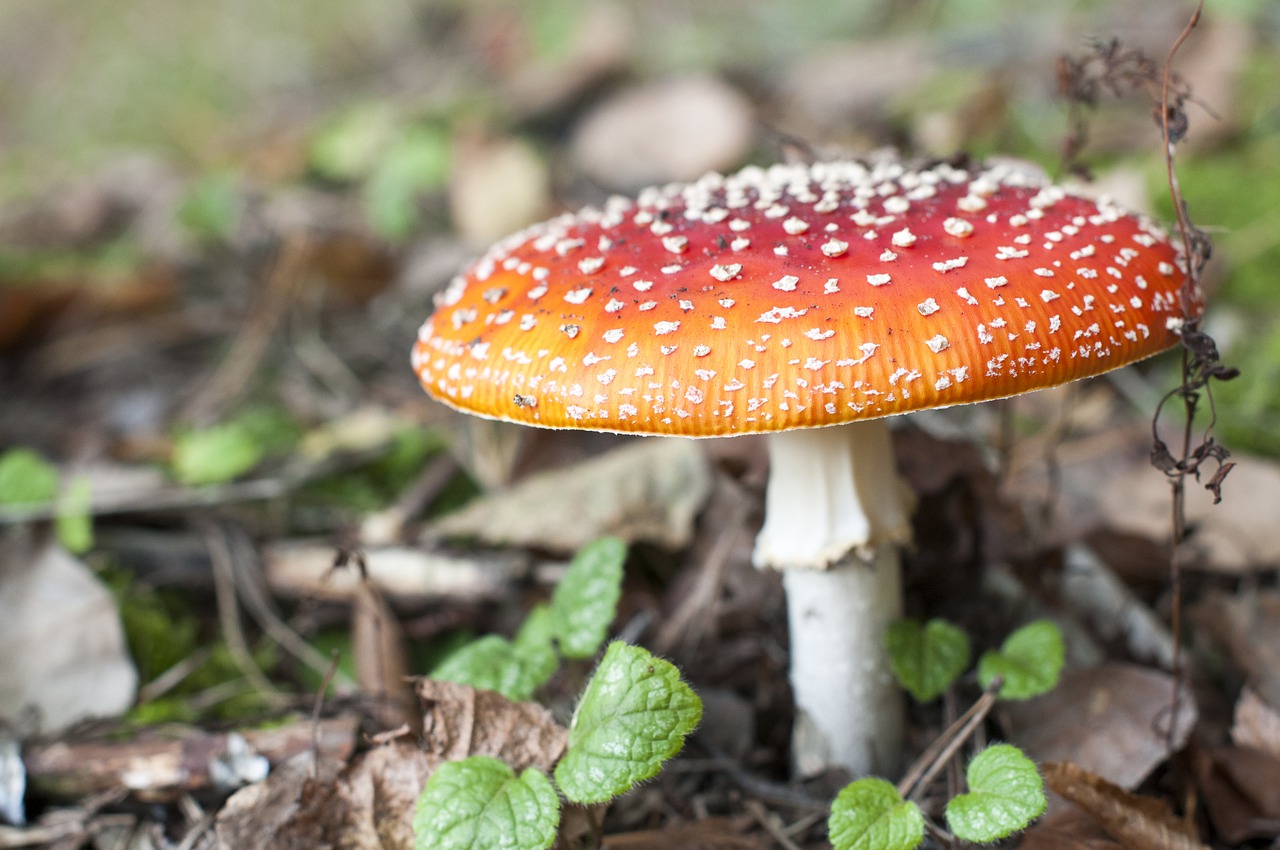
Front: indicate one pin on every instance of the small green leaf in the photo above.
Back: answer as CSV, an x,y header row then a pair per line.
x,y
1030,660
870,814
215,455
480,802
212,206
415,163
73,521
1005,794
634,715
26,478
586,600
926,659
349,147
493,663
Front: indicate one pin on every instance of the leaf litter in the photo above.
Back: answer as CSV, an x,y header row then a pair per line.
x,y
167,320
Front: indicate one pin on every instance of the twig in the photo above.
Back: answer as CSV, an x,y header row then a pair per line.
x,y
688,623
171,678
936,756
761,816
249,586
228,620
315,711
235,370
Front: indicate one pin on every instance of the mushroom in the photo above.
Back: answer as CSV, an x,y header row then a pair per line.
x,y
788,299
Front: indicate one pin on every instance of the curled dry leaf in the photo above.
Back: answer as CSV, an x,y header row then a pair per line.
x,y
1139,823
460,721
366,806
1068,829
382,665
647,490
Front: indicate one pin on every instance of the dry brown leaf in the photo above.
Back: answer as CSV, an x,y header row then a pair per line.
x,y
460,721
255,817
1256,724
367,806
1140,823
704,834
1236,536
1109,719
1241,791
1248,630
648,490
382,665
1068,829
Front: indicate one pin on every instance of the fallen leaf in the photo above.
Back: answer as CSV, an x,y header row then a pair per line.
x,y
1241,791
1236,536
1067,829
382,664
668,130
710,833
1107,719
1247,629
368,805
64,649
460,721
648,490
1256,724
270,815
1140,823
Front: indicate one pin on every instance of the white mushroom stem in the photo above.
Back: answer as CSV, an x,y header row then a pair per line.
x,y
835,513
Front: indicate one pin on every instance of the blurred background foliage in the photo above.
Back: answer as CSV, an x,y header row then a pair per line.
x,y
392,103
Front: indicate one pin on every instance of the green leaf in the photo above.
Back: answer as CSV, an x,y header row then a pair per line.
x,y
634,715
26,478
1030,660
349,147
212,206
870,814
1005,794
480,802
927,658
215,455
493,663
417,162
534,645
73,521
586,600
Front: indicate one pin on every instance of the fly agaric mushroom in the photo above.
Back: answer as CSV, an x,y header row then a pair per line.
x,y
787,299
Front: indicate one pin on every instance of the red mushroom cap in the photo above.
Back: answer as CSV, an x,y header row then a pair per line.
x,y
801,296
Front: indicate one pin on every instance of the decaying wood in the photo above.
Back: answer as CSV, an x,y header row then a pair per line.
x,y
160,763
